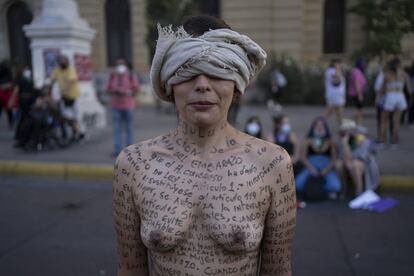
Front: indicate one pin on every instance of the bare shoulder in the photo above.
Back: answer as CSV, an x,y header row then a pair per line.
x,y
133,157
267,154
266,150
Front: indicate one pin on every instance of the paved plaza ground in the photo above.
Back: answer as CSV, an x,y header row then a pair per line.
x,y
149,122
56,227
63,228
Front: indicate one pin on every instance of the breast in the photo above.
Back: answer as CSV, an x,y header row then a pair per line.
x,y
163,231
236,220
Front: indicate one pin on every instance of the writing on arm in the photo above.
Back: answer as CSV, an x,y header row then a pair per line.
x,y
280,222
132,254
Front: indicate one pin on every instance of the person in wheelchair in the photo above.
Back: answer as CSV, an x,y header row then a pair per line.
x,y
44,124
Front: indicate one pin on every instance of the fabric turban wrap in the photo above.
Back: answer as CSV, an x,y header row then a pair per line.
x,y
221,53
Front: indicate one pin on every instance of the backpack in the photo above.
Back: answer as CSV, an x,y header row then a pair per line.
x,y
314,189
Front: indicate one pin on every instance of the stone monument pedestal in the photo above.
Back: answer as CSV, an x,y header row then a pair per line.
x,y
60,30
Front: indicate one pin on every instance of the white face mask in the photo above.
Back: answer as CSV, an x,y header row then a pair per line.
x,y
121,69
285,128
253,128
27,74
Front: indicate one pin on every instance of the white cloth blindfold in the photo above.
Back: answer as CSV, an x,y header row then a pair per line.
x,y
221,53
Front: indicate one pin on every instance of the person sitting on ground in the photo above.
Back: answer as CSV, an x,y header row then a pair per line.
x,y
254,127
36,124
357,158
204,198
283,136
319,156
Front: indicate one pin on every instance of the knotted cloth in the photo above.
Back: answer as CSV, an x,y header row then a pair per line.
x,y
221,53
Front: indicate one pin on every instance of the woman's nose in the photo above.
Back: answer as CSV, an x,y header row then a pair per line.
x,y
202,83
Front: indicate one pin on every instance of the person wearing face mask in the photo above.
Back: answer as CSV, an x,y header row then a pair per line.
x,y
123,87
283,136
319,157
254,127
24,95
357,164
68,84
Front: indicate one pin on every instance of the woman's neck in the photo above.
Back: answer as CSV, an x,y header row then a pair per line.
x,y
204,137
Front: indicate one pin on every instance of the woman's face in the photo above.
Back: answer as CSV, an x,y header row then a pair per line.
x,y
319,129
203,100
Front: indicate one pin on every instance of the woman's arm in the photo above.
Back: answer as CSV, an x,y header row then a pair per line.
x,y
304,158
14,96
280,221
296,147
331,164
132,254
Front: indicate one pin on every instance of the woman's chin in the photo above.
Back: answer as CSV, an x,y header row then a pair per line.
x,y
204,120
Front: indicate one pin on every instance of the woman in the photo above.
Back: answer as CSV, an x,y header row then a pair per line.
x,y
284,136
204,199
356,88
394,80
319,157
335,90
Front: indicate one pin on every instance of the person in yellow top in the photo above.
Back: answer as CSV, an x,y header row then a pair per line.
x,y
68,84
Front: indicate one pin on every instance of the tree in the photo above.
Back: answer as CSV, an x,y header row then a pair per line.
x,y
386,22
166,12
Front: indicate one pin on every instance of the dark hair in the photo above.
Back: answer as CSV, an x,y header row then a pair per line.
x,y
412,70
334,61
277,121
325,124
199,24
5,71
360,64
394,64
20,70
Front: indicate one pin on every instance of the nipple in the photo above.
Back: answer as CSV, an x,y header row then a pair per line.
x,y
156,237
239,237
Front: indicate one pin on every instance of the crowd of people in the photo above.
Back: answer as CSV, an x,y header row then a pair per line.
x,y
326,165
329,165
49,117
38,117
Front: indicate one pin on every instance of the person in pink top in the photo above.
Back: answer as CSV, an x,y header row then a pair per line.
x,y
356,88
123,86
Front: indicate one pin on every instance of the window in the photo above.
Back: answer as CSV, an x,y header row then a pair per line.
x,y
118,30
18,15
334,25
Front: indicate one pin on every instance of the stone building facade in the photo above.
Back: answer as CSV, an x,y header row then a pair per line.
x,y
96,12
307,30
303,29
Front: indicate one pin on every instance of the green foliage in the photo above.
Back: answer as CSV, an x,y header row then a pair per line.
x,y
386,22
304,85
166,12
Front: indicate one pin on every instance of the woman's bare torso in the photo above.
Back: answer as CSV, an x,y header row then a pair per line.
x,y
198,215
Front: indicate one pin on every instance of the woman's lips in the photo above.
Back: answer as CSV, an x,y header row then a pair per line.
x,y
202,105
